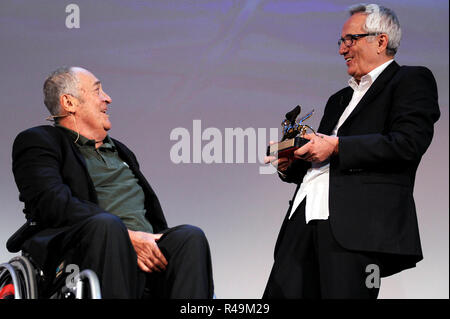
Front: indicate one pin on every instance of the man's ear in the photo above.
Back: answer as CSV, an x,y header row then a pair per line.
x,y
68,103
383,40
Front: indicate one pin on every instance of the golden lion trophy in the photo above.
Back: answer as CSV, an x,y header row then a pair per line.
x,y
293,132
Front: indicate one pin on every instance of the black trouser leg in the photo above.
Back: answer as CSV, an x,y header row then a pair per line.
x,y
310,264
294,273
101,243
189,271
342,272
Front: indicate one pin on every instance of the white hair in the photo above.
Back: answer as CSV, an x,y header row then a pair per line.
x,y
61,81
381,20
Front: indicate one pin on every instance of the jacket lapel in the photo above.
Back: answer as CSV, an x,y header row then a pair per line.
x,y
375,88
125,155
334,112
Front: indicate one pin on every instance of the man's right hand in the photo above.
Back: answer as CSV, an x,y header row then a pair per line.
x,y
280,163
149,256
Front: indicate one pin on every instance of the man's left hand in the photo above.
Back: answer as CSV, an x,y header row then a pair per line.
x,y
319,148
149,256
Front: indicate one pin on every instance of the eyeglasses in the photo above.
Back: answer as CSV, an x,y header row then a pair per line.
x,y
350,39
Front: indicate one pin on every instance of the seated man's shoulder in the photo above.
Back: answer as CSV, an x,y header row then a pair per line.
x,y
39,130
43,133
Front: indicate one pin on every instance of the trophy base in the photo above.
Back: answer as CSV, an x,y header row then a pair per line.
x,y
283,149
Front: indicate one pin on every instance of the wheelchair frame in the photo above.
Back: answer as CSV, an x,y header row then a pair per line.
x,y
24,277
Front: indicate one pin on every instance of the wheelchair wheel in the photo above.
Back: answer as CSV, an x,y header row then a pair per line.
x,y
18,279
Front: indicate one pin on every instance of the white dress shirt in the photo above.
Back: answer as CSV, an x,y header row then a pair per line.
x,y
316,183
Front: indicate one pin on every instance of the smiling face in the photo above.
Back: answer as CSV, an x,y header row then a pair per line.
x,y
364,55
90,113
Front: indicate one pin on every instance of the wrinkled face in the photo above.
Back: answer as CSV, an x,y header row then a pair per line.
x,y
361,57
93,104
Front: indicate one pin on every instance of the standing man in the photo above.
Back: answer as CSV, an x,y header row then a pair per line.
x,y
353,214
90,204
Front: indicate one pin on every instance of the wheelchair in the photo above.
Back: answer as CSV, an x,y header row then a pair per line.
x,y
21,278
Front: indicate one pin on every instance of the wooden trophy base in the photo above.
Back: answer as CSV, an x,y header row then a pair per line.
x,y
283,149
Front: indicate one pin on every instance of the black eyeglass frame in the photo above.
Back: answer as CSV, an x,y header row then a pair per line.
x,y
354,37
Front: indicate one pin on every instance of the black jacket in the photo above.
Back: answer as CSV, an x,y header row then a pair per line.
x,y
55,186
372,177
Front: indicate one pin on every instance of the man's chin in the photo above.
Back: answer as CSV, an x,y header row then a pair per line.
x,y
107,126
350,71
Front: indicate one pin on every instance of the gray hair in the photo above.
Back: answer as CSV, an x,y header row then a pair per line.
x,y
381,20
61,81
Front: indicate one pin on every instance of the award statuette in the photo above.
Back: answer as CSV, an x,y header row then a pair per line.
x,y
293,133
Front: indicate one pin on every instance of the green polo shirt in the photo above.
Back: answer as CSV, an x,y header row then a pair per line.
x,y
117,188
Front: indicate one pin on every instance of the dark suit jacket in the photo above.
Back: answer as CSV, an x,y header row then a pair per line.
x,y
380,146
55,186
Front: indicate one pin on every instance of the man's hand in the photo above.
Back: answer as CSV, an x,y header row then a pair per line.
x,y
149,257
319,148
280,163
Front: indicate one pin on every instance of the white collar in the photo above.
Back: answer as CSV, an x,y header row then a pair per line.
x,y
369,78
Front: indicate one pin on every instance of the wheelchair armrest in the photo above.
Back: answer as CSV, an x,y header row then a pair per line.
x,y
15,242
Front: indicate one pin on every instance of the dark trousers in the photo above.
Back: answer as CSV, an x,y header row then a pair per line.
x,y
310,264
101,243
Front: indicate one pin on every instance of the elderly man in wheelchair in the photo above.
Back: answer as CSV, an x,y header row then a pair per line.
x,y
89,208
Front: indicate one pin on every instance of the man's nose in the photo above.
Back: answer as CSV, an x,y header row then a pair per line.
x,y
107,98
343,49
